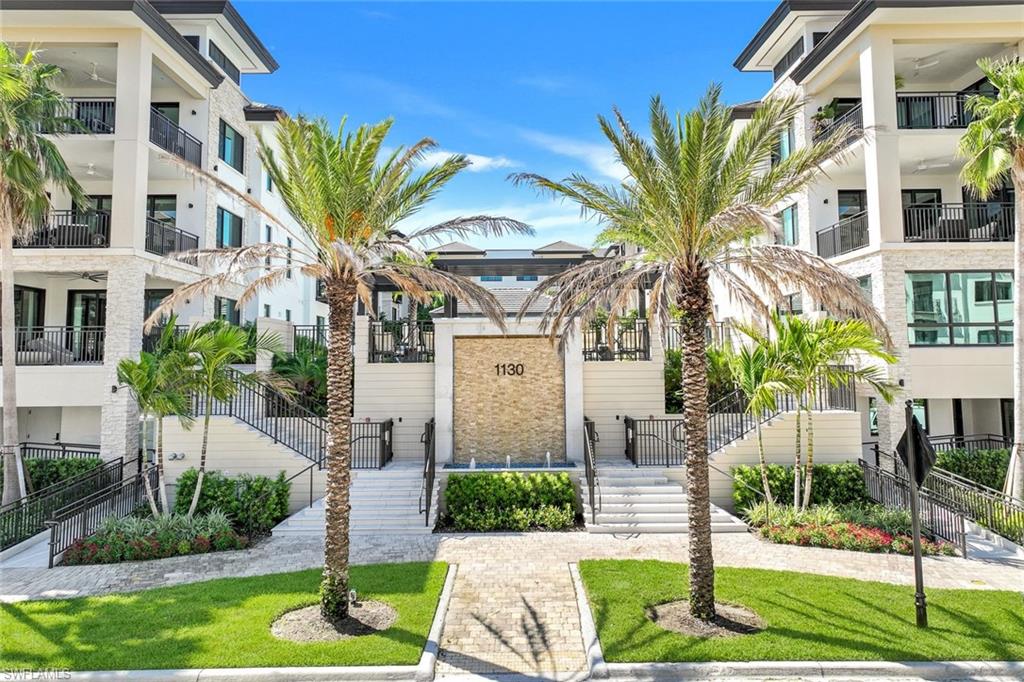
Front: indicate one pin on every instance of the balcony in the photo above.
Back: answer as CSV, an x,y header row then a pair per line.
x,y
627,340
400,341
845,236
166,134
932,110
165,239
71,230
981,222
58,345
852,122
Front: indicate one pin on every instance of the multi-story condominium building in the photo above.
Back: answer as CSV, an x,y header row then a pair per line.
x,y
156,85
935,259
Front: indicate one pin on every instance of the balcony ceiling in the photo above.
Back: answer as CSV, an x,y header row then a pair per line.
x,y
76,63
940,62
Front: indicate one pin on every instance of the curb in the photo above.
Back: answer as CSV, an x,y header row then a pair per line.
x,y
929,670
421,672
591,644
428,659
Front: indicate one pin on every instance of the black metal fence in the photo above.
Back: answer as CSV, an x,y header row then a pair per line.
x,y
166,134
623,340
716,334
66,229
23,518
311,334
400,341
590,439
58,345
932,110
429,469
852,122
845,236
164,239
892,491
83,517
58,450
372,445
980,222
152,338
970,443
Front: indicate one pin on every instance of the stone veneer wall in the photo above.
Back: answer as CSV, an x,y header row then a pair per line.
x,y
506,414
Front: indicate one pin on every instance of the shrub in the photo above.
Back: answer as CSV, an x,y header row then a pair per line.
x,y
45,472
838,484
254,504
510,501
987,467
142,538
851,536
893,521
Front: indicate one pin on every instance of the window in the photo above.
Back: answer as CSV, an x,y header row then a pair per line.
x,y
162,207
526,278
169,110
221,60
490,278
921,412
864,282
229,228
790,226
851,202
793,304
921,197
268,182
225,309
789,59
267,239
960,308
817,37
266,310
232,146
873,416
785,145
287,315
288,258
192,40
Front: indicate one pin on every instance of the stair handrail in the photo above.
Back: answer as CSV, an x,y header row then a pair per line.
x,y
429,469
590,437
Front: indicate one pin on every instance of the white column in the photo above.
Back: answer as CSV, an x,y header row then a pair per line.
x,y
444,388
881,148
573,359
119,417
131,141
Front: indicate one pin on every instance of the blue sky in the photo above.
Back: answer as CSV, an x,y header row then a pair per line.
x,y
517,85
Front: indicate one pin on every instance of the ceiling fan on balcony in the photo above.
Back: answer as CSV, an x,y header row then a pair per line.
x,y
931,164
922,63
96,77
90,276
92,172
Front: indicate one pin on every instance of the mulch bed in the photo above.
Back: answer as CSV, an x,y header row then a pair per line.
x,y
308,625
730,620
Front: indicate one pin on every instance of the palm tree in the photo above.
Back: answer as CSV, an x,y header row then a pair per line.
x,y
159,383
993,149
756,372
305,370
695,210
209,351
30,164
347,197
816,355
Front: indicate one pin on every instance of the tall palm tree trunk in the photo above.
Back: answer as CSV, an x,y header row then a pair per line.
x,y
202,457
1015,474
762,461
335,587
695,303
796,458
161,484
809,473
145,479
14,478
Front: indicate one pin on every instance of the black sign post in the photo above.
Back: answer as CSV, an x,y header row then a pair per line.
x,y
910,438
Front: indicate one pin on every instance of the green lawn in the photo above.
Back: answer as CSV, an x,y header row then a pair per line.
x,y
808,617
217,624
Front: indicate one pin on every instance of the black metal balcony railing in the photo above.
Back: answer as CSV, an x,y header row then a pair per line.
x,y
627,340
852,121
932,110
166,134
845,236
308,336
165,239
71,230
151,339
94,114
398,341
58,345
983,222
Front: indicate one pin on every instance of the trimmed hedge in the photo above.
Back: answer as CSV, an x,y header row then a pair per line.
x,y
987,467
45,472
254,504
838,484
510,502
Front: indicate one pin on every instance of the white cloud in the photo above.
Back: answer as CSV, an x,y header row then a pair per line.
x,y
544,83
599,157
478,162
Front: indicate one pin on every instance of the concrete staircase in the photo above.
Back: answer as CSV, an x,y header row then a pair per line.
x,y
383,501
644,500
